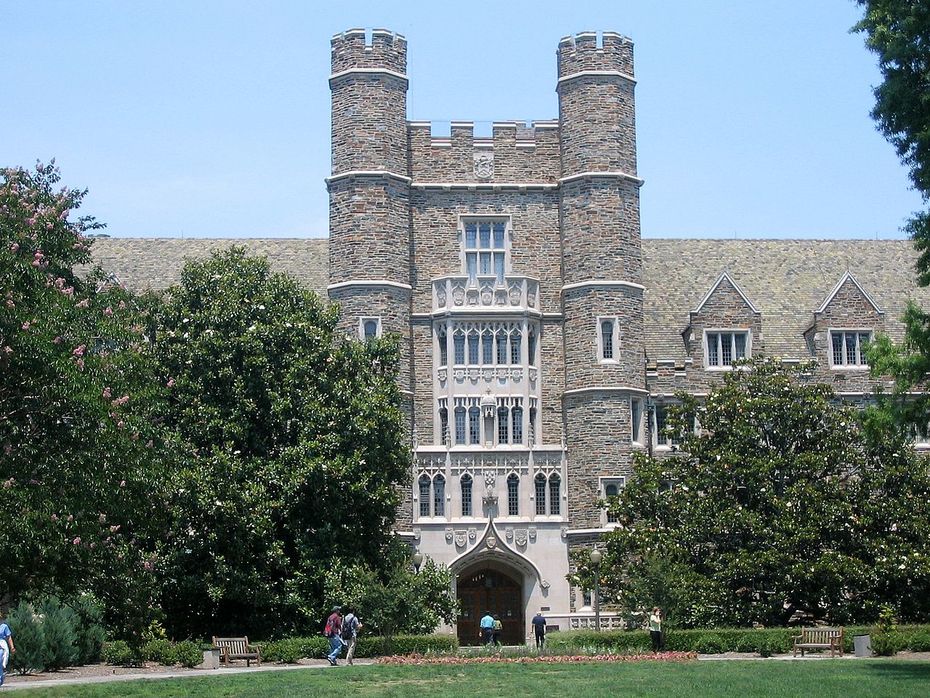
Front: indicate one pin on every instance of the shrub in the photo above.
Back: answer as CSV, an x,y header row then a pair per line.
x,y
710,643
188,653
161,651
27,634
90,632
59,634
118,653
919,641
288,651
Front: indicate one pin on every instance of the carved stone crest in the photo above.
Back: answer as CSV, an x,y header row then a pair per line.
x,y
448,535
472,534
491,541
520,536
508,532
461,537
532,534
484,165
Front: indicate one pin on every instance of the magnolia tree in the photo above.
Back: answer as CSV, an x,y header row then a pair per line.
x,y
78,468
776,505
295,448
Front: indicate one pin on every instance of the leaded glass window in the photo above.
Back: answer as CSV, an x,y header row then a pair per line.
x,y
439,496
466,483
513,495
424,483
555,487
540,483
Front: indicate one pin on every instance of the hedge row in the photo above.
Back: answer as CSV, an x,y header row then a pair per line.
x,y
292,649
915,638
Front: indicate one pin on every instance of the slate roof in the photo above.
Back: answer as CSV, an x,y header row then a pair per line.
x,y
786,280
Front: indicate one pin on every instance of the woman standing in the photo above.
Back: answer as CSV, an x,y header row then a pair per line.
x,y
655,629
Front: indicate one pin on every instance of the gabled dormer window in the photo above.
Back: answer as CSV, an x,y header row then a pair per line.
x,y
722,348
847,348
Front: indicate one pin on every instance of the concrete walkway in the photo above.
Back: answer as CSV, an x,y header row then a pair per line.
x,y
13,684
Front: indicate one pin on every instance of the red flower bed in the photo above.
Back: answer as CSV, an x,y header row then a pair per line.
x,y
541,659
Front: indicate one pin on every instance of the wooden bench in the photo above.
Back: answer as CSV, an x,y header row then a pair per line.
x,y
237,648
819,639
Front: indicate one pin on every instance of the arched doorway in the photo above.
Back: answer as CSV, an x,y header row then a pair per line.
x,y
488,590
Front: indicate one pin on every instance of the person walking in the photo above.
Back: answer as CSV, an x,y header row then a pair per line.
x,y
655,629
6,649
333,632
539,629
350,628
487,628
498,629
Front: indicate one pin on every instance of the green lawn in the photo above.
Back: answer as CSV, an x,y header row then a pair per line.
x,y
823,678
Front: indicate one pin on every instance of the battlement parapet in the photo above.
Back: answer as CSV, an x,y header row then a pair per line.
x,y
351,49
591,52
525,134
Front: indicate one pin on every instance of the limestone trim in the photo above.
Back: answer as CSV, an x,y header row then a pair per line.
x,y
368,283
603,283
595,73
491,544
836,289
367,173
607,173
726,275
606,389
485,186
366,71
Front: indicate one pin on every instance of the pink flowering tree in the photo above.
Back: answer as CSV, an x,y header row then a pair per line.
x,y
77,442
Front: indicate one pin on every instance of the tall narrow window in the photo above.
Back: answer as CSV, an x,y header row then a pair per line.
x,y
474,426
444,426
487,347
516,431
555,494
515,342
499,266
636,420
540,483
439,496
513,495
471,267
460,425
607,339
502,347
458,342
485,229
443,348
503,435
662,438
499,235
532,426
713,349
466,482
424,495
473,348
610,494
531,348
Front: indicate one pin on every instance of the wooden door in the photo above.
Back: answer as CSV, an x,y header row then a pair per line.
x,y
495,592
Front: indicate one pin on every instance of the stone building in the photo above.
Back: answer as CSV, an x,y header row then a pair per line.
x,y
542,338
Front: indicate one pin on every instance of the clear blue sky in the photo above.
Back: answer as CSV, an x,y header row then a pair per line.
x,y
211,118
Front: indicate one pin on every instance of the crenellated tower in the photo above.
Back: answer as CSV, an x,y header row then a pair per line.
x,y
602,292
369,189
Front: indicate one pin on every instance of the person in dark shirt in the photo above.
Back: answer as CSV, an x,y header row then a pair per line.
x,y
539,626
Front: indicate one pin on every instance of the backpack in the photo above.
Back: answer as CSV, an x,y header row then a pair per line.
x,y
348,627
330,629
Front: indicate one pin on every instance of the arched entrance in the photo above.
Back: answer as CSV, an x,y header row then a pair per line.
x,y
483,589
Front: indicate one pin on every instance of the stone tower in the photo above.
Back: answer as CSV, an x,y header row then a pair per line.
x,y
602,292
369,189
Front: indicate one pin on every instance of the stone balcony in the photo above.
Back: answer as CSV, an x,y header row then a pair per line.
x,y
486,293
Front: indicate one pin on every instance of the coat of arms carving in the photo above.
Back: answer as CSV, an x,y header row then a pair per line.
x,y
484,165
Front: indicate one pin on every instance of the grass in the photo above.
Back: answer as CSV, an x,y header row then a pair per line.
x,y
743,679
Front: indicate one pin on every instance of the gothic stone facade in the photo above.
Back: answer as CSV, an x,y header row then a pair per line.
x,y
542,339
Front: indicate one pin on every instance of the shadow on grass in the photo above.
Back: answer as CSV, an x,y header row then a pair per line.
x,y
903,670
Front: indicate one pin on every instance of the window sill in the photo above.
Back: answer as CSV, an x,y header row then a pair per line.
x,y
849,367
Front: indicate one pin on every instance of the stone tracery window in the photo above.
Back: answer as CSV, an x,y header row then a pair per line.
x,y
485,248
466,483
513,495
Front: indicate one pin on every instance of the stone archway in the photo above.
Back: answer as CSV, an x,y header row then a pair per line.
x,y
482,589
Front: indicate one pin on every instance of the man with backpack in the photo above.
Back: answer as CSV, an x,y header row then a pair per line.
x,y
350,628
333,632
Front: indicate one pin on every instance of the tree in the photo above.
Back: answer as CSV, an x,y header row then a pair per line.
x,y
898,31
295,448
776,506
79,447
